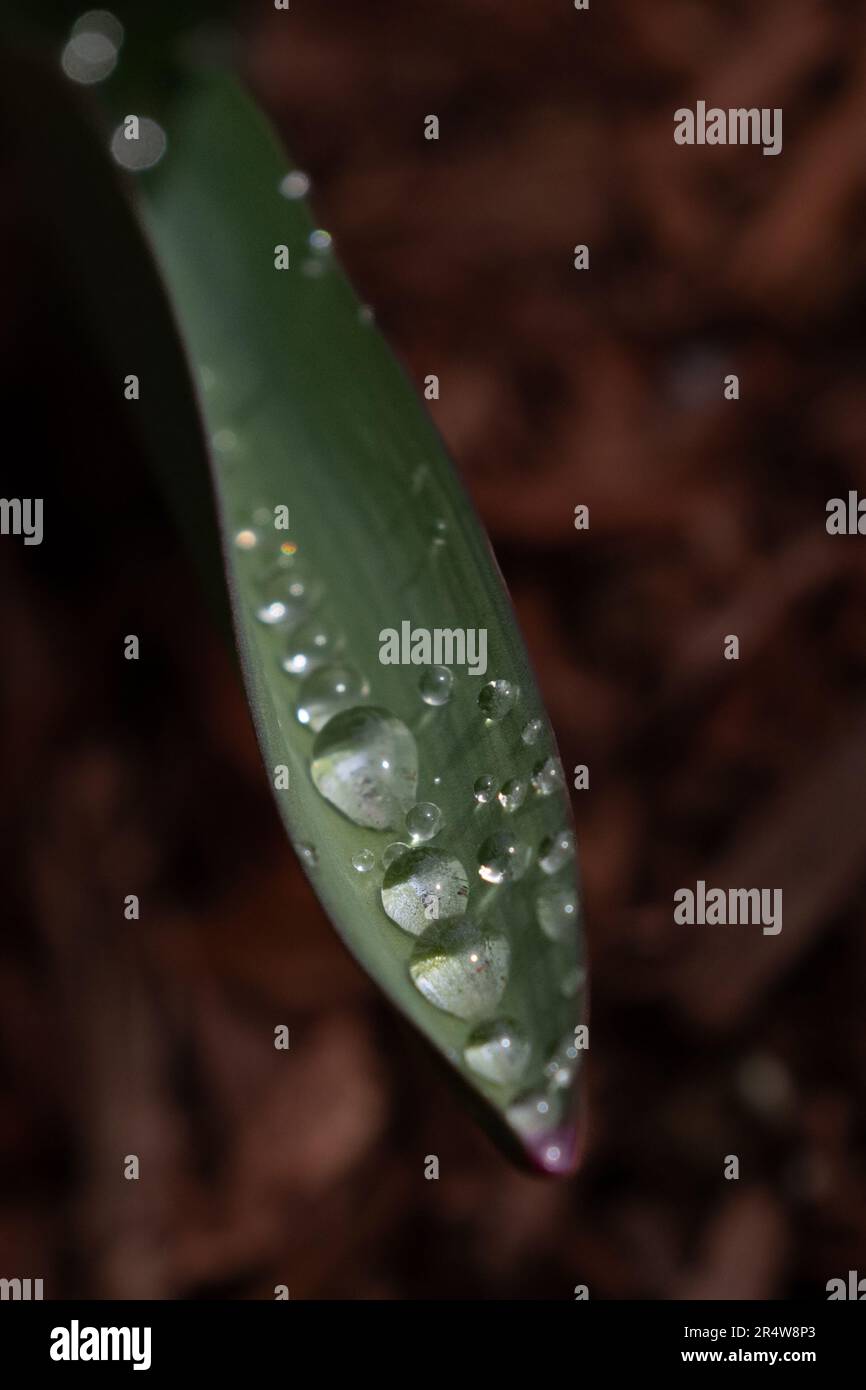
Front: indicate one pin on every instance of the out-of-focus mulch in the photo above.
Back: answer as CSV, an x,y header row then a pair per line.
x,y
707,518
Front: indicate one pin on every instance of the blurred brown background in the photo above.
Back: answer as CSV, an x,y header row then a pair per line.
x,y
707,518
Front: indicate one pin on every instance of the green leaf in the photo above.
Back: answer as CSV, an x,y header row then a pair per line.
x,y
474,934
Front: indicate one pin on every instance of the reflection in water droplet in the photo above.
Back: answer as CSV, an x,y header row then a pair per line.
x,y
496,698
461,968
424,821
363,861
498,1051
503,858
296,184
556,909
326,692
246,540
555,851
436,685
531,732
143,152
309,647
308,854
365,762
547,777
534,1113
393,851
512,794
423,886
485,789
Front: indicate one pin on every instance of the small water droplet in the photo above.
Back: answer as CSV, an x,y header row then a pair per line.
x,y
423,886
393,851
296,184
503,858
327,691
320,240
286,599
547,777
363,861
310,646
440,533
461,968
485,789
531,732
436,685
561,1068
89,57
308,854
555,851
512,794
365,762
534,1113
424,820
142,152
498,1051
246,540
496,698
556,910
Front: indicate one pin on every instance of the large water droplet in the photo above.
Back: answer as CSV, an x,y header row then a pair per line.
x,y
503,858
424,886
498,1051
424,821
365,762
556,909
555,851
512,793
496,698
547,777
309,647
485,789
461,968
436,685
326,692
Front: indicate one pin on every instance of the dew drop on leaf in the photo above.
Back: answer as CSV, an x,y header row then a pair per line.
x,y
365,762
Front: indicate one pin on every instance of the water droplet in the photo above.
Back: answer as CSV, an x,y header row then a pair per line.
x,y
89,57
461,968
363,861
246,540
296,184
308,854
485,789
535,1112
309,647
556,909
320,240
327,691
503,858
143,152
100,22
365,762
561,1068
547,777
440,533
531,732
424,820
498,1051
436,685
393,851
496,698
512,794
423,886
555,851
286,600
